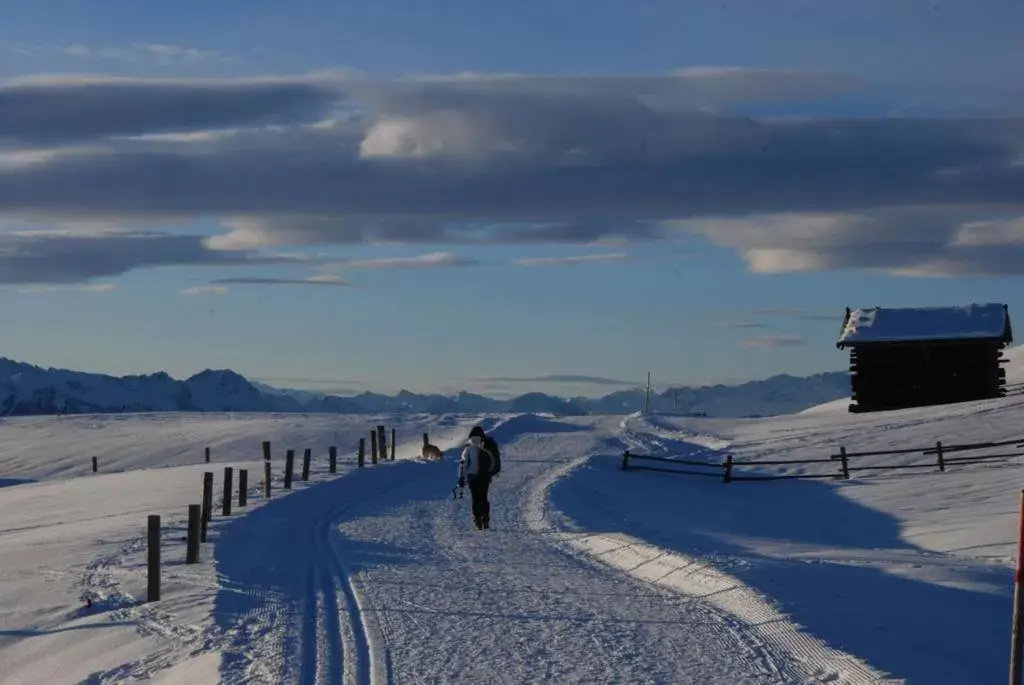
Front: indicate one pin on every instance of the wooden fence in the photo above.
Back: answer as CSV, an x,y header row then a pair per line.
x,y
844,462
200,515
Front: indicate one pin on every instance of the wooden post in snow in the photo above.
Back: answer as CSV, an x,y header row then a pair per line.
x,y
846,463
243,487
939,456
266,450
95,464
306,456
228,487
362,452
153,558
289,467
207,455
392,444
195,512
207,512
1016,638
267,476
332,458
373,447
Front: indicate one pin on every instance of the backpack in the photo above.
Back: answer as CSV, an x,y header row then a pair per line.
x,y
491,446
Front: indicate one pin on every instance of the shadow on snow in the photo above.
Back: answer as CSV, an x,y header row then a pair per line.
x,y
857,602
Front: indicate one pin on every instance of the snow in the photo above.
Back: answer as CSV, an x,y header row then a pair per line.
x,y
924,323
589,574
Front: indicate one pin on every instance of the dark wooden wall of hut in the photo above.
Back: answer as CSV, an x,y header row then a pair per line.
x,y
899,375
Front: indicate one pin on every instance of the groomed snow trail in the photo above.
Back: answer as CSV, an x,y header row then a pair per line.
x,y
380,576
287,602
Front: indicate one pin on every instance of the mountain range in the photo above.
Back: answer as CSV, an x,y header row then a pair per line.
x,y
32,390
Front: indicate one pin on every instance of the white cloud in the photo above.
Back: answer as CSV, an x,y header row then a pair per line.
x,y
325,279
739,324
160,54
575,259
88,288
432,260
75,253
776,340
205,290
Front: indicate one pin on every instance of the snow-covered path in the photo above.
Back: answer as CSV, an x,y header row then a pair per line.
x,y
380,575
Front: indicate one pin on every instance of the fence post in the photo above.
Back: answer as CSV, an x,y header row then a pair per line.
x,y
153,559
207,503
1016,641
381,443
267,475
332,457
362,452
846,463
95,464
266,450
625,460
392,444
228,486
306,455
373,447
938,454
728,468
243,487
207,455
289,466
195,512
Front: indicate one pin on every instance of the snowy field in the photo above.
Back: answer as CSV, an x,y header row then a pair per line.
x,y
590,574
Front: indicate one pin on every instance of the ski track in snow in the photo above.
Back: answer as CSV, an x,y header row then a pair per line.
x,y
310,626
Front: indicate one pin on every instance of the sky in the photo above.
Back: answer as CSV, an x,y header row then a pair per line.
x,y
501,198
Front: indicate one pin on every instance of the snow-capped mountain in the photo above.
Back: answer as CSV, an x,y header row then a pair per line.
x,y
28,390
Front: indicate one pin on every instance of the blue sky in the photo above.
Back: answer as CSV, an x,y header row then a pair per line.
x,y
700,193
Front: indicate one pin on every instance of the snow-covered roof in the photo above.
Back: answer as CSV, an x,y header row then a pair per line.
x,y
973,321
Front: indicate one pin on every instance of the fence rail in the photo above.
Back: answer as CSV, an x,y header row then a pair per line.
x,y
730,469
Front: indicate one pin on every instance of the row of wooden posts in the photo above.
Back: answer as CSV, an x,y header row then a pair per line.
x,y
940,452
200,515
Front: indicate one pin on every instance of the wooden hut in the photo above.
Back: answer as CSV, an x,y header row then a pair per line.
x,y
914,357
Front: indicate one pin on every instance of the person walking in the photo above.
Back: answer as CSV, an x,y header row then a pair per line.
x,y
479,462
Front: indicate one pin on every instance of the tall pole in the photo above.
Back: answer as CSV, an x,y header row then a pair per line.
x,y
647,395
1016,637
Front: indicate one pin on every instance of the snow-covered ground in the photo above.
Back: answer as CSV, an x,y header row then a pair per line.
x,y
590,574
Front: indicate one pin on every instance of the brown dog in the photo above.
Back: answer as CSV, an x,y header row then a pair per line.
x,y
432,453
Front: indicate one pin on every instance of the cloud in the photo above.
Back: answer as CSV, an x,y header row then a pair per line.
x,y
325,279
509,159
78,253
834,318
433,260
52,110
921,241
777,311
557,378
776,340
740,324
576,259
162,54
205,290
90,288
